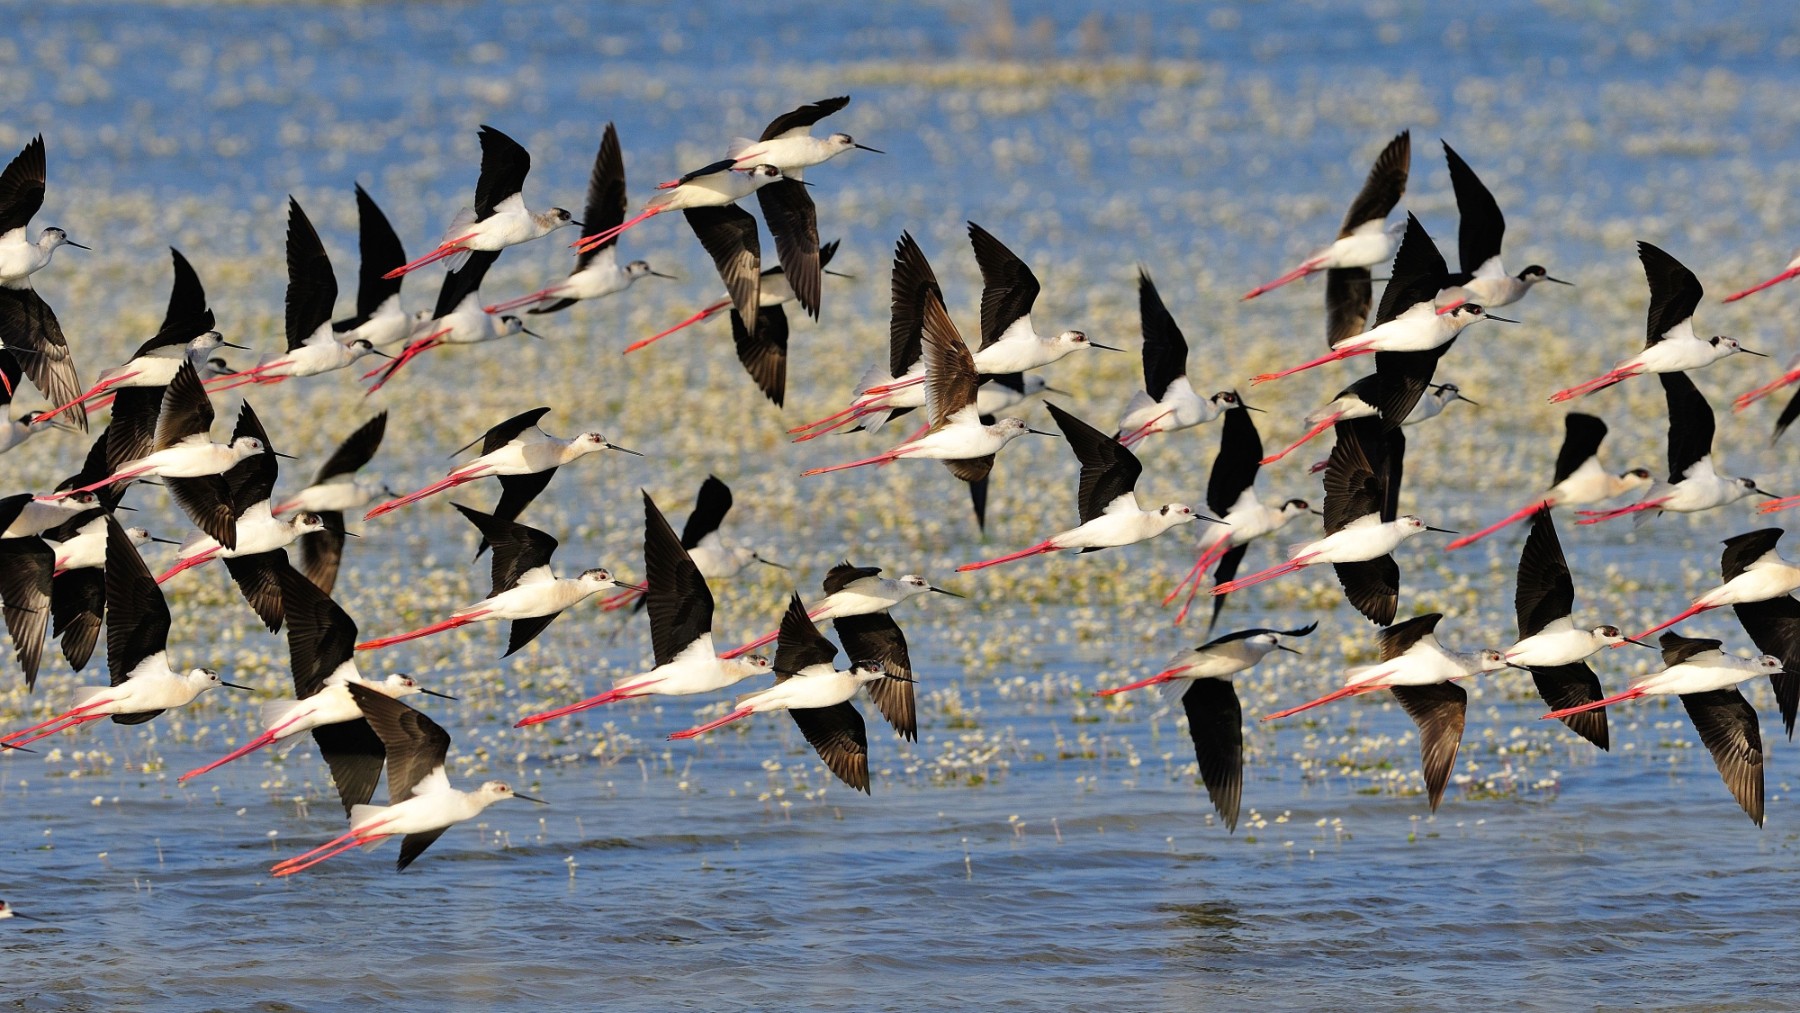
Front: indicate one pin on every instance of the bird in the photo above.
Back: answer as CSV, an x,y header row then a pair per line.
x,y
144,684
241,498
28,326
852,590
525,590
681,618
1363,525
787,143
955,433
8,911
1705,677
1365,239
1579,477
1110,515
1693,484
1420,673
1670,344
817,694
717,557
515,449
1168,401
323,674
183,447
499,218
186,335
457,319
1753,572
313,344
1231,496
15,431
335,491
1420,322
1480,229
1009,341
597,273
1772,624
421,802
380,319
1791,270
713,185
1201,680
1549,643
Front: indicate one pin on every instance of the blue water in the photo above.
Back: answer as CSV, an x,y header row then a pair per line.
x,y
1036,849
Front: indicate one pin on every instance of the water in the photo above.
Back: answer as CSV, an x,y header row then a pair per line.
x,y
1037,848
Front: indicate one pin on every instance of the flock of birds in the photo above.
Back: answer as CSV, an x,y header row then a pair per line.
x,y
69,567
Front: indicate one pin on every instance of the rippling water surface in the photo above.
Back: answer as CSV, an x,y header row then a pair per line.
x,y
1036,848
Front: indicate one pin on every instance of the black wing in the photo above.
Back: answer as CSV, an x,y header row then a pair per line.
x,y
605,194
1239,458
524,631
28,325
876,639
1690,423
1582,436
913,282
1439,711
710,507
1400,637
25,568
356,451
355,755
793,223
508,431
804,117
312,287
78,610
1545,592
1727,724
187,316
414,845
1216,724
137,617
1742,550
800,644
764,353
186,410
504,165
252,480
676,595
516,493
729,235
1349,295
22,186
1566,686
207,502
1481,227
1108,469
255,575
837,734
1774,626
1008,288
1788,414
951,383
517,547
1227,569
322,552
1384,187
1165,350
381,252
1356,476
1677,648
321,636
1372,587
10,372
463,282
843,574
1674,292
415,744
1418,275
